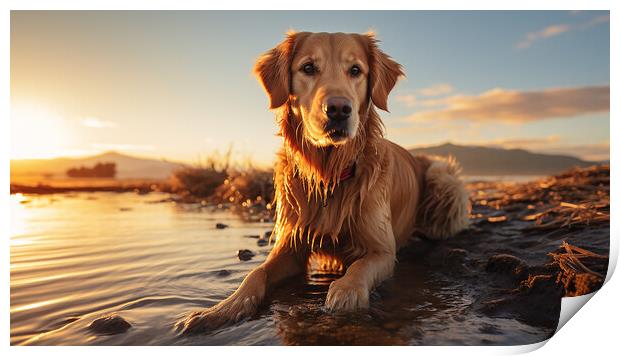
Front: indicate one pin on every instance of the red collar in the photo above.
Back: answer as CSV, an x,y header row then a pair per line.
x,y
348,173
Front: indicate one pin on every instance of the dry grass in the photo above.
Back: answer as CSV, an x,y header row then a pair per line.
x,y
250,192
202,179
198,182
244,189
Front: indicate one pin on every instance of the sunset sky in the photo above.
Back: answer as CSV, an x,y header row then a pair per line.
x,y
179,85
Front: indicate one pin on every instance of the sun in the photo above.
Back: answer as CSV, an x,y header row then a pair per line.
x,y
37,132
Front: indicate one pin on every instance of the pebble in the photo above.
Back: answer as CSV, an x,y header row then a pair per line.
x,y
245,255
223,273
262,242
456,255
109,325
220,226
504,263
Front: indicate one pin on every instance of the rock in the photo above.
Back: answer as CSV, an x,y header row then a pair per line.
x,y
220,226
455,262
267,235
252,236
504,263
223,273
540,284
455,256
262,242
109,325
489,329
537,300
245,255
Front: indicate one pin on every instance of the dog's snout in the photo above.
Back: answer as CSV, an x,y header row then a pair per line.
x,y
337,108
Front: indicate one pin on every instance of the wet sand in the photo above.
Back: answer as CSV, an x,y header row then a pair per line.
x,y
147,260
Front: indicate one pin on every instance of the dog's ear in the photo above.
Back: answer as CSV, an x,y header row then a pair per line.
x,y
273,70
384,72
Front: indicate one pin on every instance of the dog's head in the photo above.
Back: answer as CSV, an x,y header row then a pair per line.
x,y
329,79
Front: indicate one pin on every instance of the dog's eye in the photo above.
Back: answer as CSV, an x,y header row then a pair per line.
x,y
309,69
355,71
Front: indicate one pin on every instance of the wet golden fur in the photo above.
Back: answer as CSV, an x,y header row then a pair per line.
x,y
365,219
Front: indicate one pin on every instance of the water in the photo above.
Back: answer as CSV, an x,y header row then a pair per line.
x,y
77,257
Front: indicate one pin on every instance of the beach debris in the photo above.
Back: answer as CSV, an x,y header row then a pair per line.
x,y
495,219
109,325
574,275
576,199
245,255
220,226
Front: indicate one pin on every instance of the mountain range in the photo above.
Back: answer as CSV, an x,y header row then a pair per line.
x,y
475,160
483,160
126,166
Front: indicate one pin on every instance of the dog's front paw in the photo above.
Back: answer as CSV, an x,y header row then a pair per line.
x,y
227,312
345,295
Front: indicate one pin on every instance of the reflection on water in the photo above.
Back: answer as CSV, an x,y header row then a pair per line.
x,y
75,258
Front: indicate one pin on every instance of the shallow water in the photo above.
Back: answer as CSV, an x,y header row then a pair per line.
x,y
78,257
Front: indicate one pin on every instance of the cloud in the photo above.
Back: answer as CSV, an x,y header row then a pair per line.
x,y
436,90
555,30
522,142
122,147
520,106
595,21
546,32
408,99
97,123
412,100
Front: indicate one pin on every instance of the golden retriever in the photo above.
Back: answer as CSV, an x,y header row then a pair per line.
x,y
340,185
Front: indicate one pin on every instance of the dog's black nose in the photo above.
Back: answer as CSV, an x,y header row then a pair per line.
x,y
337,108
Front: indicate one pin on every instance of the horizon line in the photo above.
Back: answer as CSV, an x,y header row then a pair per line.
x,y
194,161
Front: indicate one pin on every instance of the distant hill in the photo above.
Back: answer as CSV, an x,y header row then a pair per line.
x,y
126,166
477,160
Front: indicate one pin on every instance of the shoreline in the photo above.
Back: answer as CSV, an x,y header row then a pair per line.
x,y
529,245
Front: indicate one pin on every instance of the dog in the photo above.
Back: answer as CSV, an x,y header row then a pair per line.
x,y
340,186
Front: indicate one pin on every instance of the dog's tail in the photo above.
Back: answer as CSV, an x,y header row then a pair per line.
x,y
445,202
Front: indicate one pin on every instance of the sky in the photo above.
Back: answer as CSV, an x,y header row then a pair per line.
x,y
179,84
